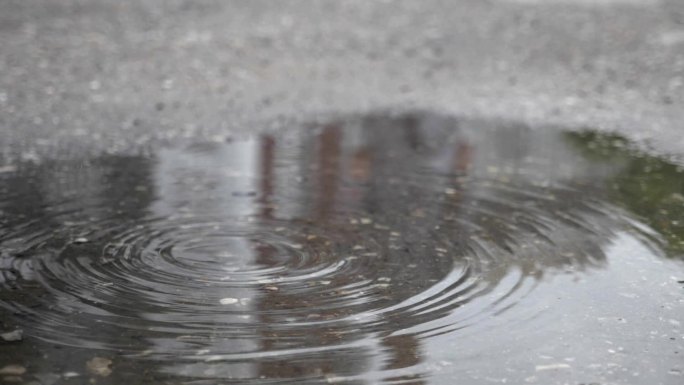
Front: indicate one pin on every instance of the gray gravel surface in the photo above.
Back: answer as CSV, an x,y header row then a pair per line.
x,y
109,75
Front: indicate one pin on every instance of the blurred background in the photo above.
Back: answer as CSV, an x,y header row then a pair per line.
x,y
112,75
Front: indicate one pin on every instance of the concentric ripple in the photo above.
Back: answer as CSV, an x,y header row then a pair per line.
x,y
299,258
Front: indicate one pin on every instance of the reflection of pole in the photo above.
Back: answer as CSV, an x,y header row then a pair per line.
x,y
462,158
412,132
267,176
404,353
328,169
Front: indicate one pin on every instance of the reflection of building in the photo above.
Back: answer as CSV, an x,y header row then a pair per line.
x,y
405,186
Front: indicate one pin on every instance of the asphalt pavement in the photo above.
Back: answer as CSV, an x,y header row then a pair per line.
x,y
81,76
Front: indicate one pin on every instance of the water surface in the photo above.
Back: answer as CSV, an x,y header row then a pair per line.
x,y
382,249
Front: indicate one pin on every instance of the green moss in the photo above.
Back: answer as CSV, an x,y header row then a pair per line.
x,y
646,185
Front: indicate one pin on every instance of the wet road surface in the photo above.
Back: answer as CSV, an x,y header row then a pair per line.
x,y
412,248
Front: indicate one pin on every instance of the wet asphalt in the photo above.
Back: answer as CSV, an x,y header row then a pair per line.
x,y
92,76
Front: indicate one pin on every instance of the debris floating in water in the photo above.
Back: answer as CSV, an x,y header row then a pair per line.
x,y
7,169
229,301
12,370
558,366
99,366
12,336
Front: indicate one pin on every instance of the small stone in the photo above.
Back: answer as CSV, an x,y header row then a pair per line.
x,y
332,379
450,191
271,288
229,301
558,366
12,370
418,213
99,366
366,221
13,336
81,240
4,169
47,378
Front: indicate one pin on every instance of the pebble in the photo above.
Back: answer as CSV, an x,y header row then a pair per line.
x,y
12,370
13,336
99,366
4,169
540,368
229,301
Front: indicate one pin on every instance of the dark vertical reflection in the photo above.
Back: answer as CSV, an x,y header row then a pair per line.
x,y
267,175
342,361
327,170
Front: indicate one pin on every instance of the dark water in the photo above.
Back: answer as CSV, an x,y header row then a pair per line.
x,y
411,249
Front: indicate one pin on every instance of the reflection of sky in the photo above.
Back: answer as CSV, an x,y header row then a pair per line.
x,y
220,175
224,177
598,325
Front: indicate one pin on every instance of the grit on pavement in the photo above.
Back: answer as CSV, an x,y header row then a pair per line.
x,y
107,75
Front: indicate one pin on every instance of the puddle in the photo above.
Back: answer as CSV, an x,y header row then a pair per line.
x,y
411,249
